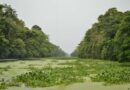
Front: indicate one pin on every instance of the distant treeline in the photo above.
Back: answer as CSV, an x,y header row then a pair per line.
x,y
18,41
109,38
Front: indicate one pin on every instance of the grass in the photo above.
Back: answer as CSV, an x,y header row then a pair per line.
x,y
59,71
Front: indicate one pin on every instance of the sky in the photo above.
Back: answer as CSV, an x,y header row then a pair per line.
x,y
65,21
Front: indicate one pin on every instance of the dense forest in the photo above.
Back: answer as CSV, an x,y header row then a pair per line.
x,y
18,41
109,38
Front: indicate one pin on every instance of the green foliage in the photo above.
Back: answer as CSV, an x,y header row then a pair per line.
x,y
51,76
58,52
36,27
65,71
122,39
74,53
18,41
18,49
113,76
109,38
3,85
76,71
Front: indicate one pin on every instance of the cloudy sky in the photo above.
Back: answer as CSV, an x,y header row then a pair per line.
x,y
65,21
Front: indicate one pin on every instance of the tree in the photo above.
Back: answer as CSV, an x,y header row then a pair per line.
x,y
18,41
17,49
36,27
122,39
108,38
4,47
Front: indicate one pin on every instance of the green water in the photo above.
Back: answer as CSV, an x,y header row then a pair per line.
x,y
19,67
79,86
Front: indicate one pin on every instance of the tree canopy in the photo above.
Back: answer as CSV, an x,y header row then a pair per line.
x,y
18,41
109,38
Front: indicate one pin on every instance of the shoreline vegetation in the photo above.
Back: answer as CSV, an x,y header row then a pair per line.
x,y
40,63
19,41
108,38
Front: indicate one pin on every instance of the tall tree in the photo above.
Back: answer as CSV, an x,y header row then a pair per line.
x,y
102,40
18,41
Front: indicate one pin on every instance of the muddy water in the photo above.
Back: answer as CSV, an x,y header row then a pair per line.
x,y
79,86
